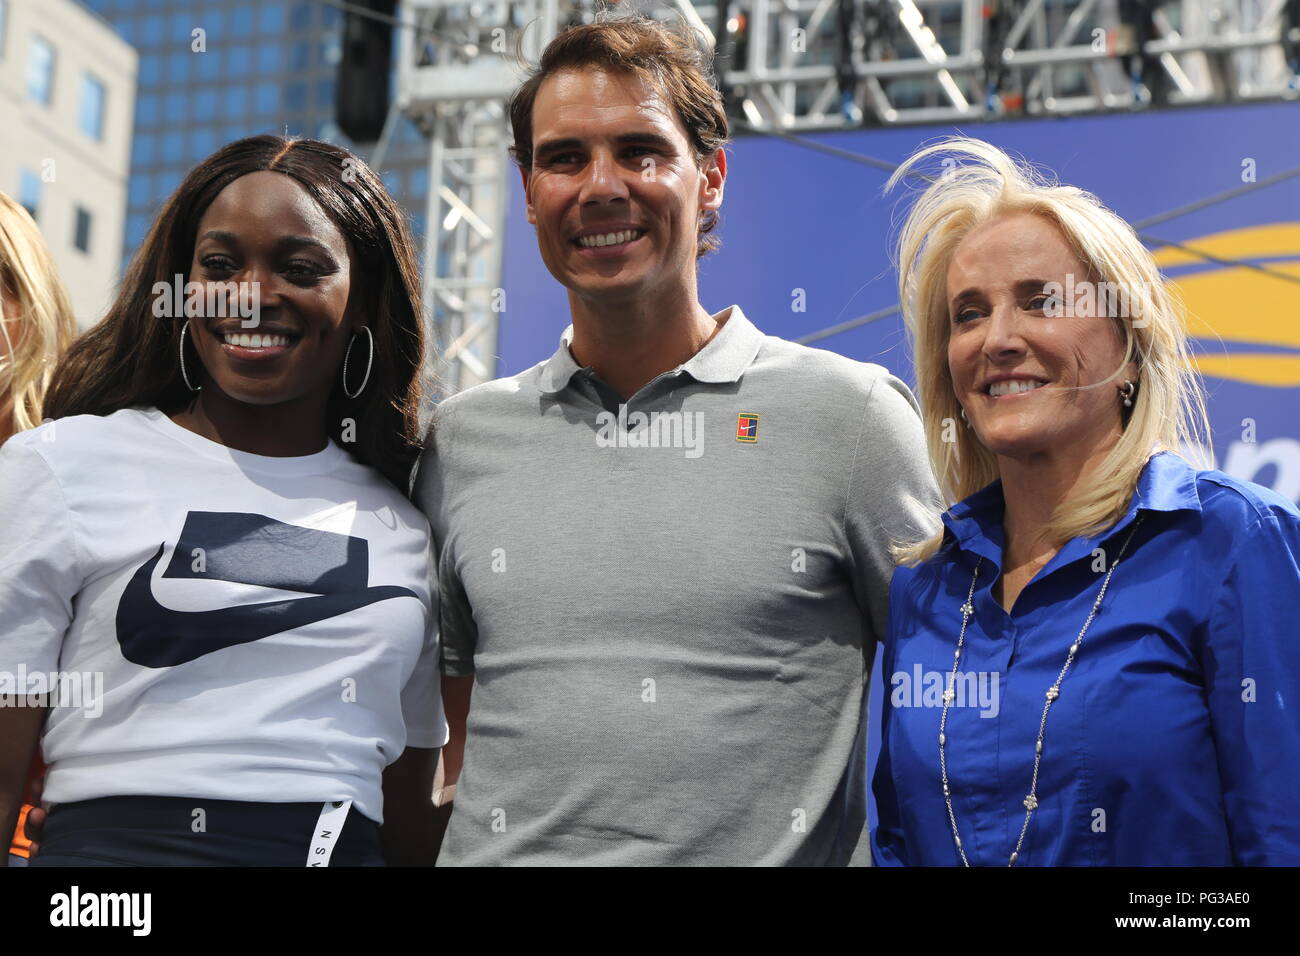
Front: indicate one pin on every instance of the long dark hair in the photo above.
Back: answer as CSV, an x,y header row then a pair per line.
x,y
130,358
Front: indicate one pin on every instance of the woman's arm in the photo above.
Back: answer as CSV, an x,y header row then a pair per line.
x,y
455,695
20,729
40,574
455,699
410,834
887,847
1252,671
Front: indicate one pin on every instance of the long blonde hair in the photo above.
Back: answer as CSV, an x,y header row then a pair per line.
x,y
29,280
973,183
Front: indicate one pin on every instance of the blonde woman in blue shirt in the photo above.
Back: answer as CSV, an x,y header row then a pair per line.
x,y
1132,615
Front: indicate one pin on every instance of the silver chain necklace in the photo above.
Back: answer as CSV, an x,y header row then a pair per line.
x,y
1031,800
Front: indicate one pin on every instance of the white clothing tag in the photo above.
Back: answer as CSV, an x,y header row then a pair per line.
x,y
332,816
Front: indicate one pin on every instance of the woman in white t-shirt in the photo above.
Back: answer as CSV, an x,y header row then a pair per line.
x,y
210,571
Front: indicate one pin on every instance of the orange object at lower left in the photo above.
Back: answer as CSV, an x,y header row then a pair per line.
x,y
19,845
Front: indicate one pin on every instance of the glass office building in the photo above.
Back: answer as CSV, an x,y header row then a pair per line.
x,y
264,67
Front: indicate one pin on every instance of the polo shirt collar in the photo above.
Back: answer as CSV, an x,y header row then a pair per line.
x,y
1167,483
560,367
729,354
724,359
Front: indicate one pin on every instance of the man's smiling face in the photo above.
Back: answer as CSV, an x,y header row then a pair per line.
x,y
615,190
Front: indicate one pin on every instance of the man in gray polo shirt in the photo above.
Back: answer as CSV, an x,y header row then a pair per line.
x,y
664,552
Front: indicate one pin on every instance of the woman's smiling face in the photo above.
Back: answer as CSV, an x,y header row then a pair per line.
x,y
264,228
1020,374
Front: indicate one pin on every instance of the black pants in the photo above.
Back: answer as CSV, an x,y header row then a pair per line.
x,y
168,831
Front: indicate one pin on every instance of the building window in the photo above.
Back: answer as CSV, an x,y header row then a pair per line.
x,y
203,142
270,58
175,108
266,98
150,70
241,24
168,180
29,191
178,65
271,19
182,22
205,104
82,232
40,70
148,110
239,60
300,18
137,190
91,115
173,147
151,31
236,102
145,150
295,96
209,65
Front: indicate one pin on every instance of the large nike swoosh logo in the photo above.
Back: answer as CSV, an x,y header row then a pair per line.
x,y
155,636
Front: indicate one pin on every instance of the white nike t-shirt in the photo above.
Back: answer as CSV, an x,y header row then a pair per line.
x,y
219,624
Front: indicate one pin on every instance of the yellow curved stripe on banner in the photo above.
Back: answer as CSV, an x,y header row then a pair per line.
x,y
1273,371
1243,305
1228,305
1253,242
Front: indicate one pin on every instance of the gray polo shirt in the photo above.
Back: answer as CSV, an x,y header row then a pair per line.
x,y
671,608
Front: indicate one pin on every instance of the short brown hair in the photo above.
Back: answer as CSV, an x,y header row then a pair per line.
x,y
670,59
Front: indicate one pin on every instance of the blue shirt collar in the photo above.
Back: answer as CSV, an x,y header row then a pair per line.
x,y
724,359
1167,483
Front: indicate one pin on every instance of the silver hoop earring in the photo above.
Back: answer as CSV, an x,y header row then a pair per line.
x,y
1127,391
965,420
184,374
369,365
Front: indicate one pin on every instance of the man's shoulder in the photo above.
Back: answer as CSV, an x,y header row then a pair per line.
x,y
828,382
486,398
819,368
476,417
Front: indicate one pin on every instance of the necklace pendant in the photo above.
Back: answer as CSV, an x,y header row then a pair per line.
x,y
1031,802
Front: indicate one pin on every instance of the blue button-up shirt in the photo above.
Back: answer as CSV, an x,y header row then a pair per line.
x,y
1175,740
